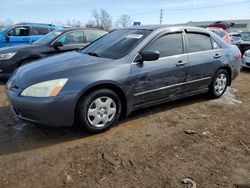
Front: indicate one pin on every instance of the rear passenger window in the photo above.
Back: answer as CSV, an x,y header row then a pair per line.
x,y
167,45
71,38
198,42
40,30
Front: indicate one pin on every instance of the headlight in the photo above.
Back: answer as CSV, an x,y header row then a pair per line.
x,y
247,53
45,89
7,56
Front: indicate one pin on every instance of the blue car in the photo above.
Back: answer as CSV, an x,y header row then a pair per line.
x,y
24,33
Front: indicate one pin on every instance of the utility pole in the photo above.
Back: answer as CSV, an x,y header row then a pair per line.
x,y
161,12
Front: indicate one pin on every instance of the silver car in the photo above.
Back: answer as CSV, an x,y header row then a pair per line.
x,y
246,59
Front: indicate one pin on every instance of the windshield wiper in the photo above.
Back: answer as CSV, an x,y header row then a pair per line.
x,y
93,54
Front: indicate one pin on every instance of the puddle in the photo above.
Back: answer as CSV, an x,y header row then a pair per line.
x,y
228,97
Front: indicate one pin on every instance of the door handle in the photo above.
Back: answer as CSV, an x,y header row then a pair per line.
x,y
181,63
216,56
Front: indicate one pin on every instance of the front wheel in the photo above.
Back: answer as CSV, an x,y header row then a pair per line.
x,y
219,84
99,111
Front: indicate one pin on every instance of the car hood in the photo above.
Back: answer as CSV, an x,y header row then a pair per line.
x,y
65,65
17,48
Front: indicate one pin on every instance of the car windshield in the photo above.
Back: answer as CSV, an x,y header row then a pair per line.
x,y
245,36
48,38
116,44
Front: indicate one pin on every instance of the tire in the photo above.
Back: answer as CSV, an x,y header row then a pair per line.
x,y
219,84
99,111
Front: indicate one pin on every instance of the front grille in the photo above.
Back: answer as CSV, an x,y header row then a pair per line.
x,y
248,64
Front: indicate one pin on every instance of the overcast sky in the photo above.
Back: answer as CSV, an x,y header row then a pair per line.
x,y
145,11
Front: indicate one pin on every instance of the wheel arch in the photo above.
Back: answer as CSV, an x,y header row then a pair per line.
x,y
229,71
108,85
31,58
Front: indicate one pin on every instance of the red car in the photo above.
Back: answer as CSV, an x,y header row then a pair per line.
x,y
222,33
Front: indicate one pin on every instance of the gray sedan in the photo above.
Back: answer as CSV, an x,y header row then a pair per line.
x,y
123,71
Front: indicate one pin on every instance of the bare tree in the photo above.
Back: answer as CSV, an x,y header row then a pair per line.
x,y
7,22
73,23
96,17
125,20
102,20
106,20
90,24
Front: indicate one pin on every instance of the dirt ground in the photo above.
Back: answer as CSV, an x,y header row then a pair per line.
x,y
159,146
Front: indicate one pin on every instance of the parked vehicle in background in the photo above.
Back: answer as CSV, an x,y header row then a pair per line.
x,y
24,33
58,41
123,71
244,45
222,33
236,38
246,59
225,25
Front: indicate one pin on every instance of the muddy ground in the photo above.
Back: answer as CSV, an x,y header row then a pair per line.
x,y
148,149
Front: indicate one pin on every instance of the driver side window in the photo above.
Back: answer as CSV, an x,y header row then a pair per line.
x,y
167,45
72,38
19,31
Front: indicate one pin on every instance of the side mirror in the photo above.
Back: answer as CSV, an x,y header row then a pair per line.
x,y
148,56
7,38
57,44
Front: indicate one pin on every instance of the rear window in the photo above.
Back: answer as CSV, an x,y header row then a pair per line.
x,y
198,42
39,30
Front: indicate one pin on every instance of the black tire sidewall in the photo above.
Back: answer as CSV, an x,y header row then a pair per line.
x,y
212,87
87,101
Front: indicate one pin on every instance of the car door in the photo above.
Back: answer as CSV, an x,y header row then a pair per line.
x,y
205,56
73,40
165,77
18,35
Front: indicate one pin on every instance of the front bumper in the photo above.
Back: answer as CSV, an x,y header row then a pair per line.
x,y
52,111
246,62
7,67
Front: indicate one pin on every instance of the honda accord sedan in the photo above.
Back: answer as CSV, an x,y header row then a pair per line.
x,y
56,42
123,71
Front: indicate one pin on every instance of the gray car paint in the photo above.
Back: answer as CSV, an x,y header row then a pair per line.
x,y
140,84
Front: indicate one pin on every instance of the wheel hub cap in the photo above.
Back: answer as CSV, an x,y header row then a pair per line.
x,y
101,111
220,84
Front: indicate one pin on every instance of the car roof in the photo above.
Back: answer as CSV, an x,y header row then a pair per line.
x,y
34,24
81,28
216,29
157,27
64,30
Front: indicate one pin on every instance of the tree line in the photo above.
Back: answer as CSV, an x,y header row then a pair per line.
x,y
100,19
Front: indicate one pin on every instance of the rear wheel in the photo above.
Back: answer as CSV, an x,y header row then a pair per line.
x,y
219,84
99,111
